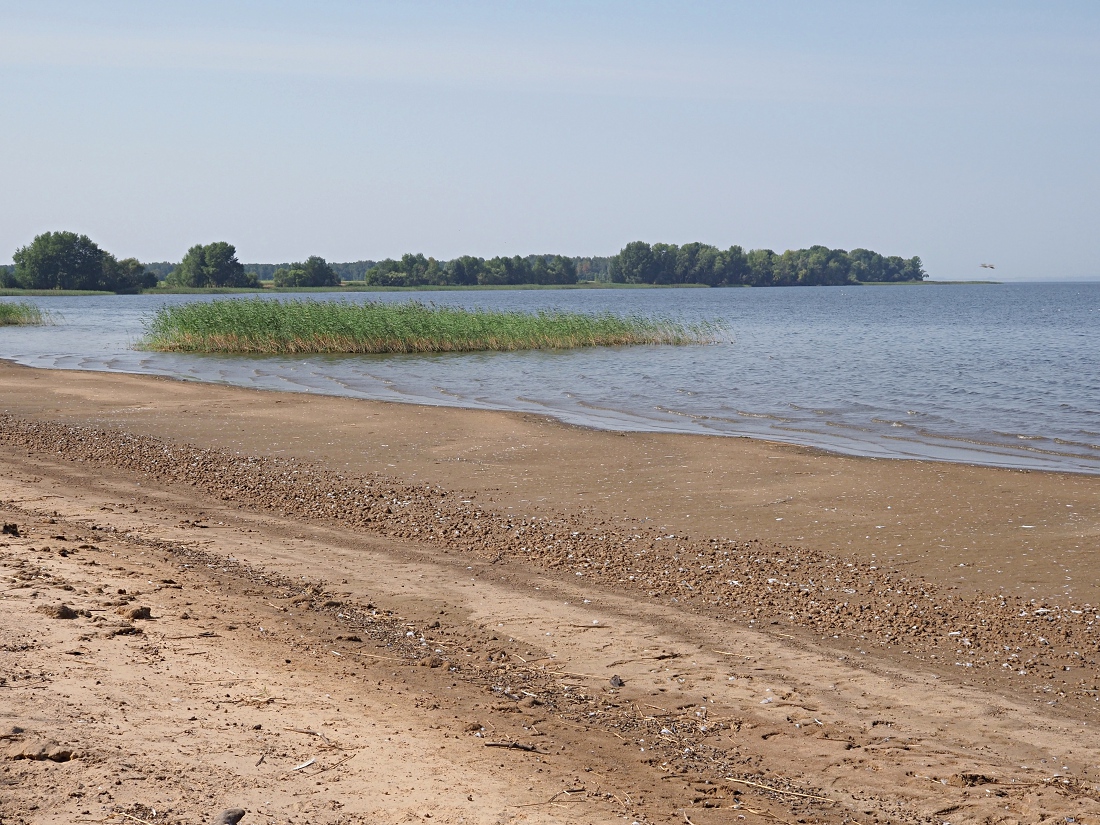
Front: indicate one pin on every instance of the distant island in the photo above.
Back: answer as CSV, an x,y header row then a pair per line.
x,y
67,261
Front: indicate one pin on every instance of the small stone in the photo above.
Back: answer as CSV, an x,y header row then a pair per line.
x,y
230,816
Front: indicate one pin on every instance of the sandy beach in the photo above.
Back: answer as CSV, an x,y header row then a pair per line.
x,y
329,610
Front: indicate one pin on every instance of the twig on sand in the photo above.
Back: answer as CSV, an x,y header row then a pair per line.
x,y
519,746
376,656
552,799
336,764
687,819
309,732
304,765
570,673
219,681
778,790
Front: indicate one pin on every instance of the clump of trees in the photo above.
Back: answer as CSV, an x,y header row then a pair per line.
x,y
669,264
351,271
212,265
314,271
417,270
698,263
65,260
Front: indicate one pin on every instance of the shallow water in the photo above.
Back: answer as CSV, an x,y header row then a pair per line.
x,y
1005,375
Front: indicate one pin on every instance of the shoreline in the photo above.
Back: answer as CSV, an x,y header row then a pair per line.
x,y
1009,460
606,609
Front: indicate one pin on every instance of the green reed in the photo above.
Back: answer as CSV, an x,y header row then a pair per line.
x,y
261,326
21,313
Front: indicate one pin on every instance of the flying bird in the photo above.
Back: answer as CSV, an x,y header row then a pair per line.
x,y
987,266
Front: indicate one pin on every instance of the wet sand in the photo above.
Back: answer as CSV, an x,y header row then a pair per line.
x,y
853,625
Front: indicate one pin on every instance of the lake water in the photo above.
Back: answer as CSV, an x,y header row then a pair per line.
x,y
1005,375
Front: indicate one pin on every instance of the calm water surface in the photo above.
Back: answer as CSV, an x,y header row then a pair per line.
x,y
1005,375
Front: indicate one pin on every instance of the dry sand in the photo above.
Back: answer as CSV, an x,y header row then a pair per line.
x,y
365,612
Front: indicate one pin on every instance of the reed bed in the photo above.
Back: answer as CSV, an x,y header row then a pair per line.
x,y
259,326
21,313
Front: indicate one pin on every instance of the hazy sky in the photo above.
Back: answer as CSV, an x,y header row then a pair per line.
x,y
964,132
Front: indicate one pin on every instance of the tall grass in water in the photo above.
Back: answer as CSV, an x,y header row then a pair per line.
x,y
264,326
21,313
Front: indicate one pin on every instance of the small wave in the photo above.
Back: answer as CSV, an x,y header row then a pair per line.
x,y
761,415
841,425
1021,436
890,423
681,413
1000,448
1084,445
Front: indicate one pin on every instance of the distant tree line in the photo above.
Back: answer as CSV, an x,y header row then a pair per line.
x,y
417,270
698,263
643,263
351,271
65,260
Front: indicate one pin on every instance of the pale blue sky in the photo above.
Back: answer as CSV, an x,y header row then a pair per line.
x,y
964,132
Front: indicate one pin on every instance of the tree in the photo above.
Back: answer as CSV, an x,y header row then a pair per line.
x,y
634,264
319,273
821,266
505,271
561,270
735,266
913,269
465,270
551,269
284,277
761,267
65,260
386,273
130,275
212,265
867,265
60,260
314,271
